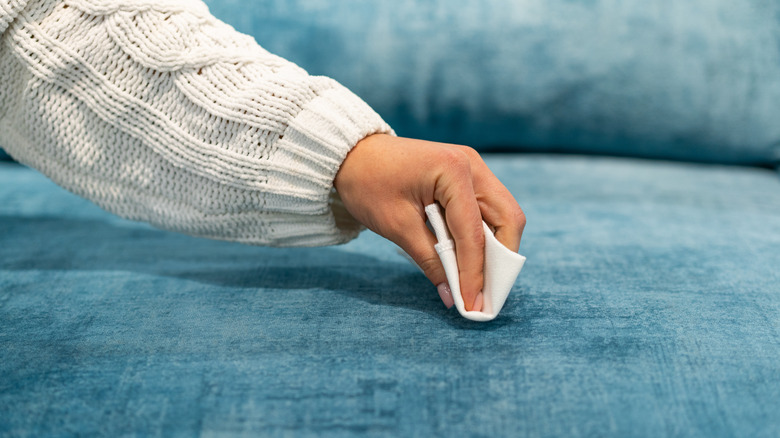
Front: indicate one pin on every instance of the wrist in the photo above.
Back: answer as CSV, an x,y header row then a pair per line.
x,y
355,163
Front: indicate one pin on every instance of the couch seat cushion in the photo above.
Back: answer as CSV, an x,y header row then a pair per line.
x,y
649,306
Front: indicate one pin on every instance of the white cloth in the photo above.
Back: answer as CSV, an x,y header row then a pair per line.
x,y
158,111
502,266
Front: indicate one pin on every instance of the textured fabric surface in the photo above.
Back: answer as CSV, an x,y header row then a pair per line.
x,y
158,111
695,80
649,306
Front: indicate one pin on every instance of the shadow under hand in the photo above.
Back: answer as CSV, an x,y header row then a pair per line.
x,y
69,244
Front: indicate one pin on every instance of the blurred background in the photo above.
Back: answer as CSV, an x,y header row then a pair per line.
x,y
696,80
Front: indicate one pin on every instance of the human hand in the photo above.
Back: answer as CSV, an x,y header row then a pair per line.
x,y
385,183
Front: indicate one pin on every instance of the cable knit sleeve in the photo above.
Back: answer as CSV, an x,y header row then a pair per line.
x,y
157,111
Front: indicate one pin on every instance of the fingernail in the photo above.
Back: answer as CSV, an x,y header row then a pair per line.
x,y
445,294
478,303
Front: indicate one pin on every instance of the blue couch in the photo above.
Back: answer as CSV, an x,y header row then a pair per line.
x,y
649,305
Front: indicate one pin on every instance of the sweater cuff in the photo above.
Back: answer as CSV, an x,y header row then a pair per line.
x,y
311,149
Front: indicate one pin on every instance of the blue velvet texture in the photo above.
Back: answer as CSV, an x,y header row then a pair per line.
x,y
649,306
694,80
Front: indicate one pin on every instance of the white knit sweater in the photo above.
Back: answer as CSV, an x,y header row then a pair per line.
x,y
157,111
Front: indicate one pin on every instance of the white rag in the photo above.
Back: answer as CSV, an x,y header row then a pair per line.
x,y
502,266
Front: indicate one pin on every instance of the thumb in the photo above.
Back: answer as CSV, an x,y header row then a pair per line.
x,y
418,242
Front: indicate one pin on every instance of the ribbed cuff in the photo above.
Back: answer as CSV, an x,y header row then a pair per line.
x,y
311,151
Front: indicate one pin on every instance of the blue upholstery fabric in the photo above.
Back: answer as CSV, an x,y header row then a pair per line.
x,y
694,80
649,306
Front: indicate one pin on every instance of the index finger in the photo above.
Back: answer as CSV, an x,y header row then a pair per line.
x,y
464,221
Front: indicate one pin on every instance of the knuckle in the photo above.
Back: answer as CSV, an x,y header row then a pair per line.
x,y
455,160
471,153
430,266
477,238
518,218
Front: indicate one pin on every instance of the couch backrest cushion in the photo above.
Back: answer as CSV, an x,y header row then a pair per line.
x,y
697,80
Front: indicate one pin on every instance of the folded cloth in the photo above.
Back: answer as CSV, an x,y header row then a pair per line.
x,y
502,267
